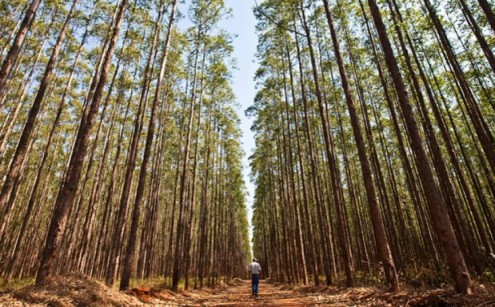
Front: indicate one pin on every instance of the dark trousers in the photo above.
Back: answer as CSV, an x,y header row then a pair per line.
x,y
255,280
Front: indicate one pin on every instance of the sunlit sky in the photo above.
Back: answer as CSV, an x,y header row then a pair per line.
x,y
242,24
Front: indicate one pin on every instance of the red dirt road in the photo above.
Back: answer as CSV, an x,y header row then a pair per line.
x,y
240,295
81,290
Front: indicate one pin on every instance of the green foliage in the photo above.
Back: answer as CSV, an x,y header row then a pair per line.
x,y
215,161
290,164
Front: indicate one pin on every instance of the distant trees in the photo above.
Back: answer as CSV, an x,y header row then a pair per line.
x,y
374,124
120,154
103,106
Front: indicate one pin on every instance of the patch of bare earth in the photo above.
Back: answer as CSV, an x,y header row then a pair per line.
x,y
238,293
80,290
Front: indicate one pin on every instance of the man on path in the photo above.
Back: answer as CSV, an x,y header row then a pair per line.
x,y
255,270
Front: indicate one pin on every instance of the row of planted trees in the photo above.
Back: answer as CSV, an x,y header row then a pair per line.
x,y
119,143
374,126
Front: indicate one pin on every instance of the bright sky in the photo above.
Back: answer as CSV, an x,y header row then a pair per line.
x,y
243,24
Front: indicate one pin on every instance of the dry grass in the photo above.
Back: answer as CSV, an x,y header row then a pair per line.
x,y
81,290
71,290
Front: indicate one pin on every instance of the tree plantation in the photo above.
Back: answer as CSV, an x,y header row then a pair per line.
x,y
374,127
119,143
121,153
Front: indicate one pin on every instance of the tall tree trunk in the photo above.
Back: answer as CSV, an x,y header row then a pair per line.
x,y
378,225
291,164
21,8
436,204
176,274
66,195
11,118
483,133
311,248
106,225
22,146
9,61
478,33
118,235
188,239
313,166
488,9
129,260
21,150
38,178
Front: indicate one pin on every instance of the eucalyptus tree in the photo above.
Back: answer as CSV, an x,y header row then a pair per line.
x,y
482,130
406,135
16,46
14,171
378,226
118,231
90,169
489,12
47,76
129,261
66,195
205,15
478,33
436,203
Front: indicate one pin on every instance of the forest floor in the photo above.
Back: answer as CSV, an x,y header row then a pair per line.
x,y
80,290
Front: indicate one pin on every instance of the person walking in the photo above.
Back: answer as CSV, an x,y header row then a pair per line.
x,y
255,270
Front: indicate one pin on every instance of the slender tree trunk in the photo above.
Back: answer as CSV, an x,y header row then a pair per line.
x,y
105,227
320,206
9,61
204,208
311,249
23,90
12,177
182,191
378,225
65,198
129,260
488,9
478,33
118,236
188,239
437,206
483,133
291,163
38,178
20,9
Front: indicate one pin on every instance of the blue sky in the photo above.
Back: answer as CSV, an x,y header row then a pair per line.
x,y
243,24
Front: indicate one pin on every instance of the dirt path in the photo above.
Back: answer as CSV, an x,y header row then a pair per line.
x,y
240,295
81,290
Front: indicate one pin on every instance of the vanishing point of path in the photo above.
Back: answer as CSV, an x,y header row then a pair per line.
x,y
269,295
